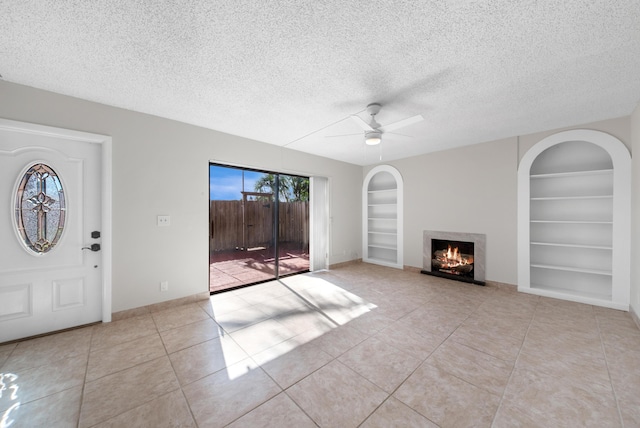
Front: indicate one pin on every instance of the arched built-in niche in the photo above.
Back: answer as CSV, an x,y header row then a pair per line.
x,y
574,191
382,199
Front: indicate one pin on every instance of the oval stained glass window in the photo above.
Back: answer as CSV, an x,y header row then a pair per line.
x,y
40,211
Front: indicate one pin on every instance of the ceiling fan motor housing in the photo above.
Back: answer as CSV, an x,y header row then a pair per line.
x,y
373,108
372,137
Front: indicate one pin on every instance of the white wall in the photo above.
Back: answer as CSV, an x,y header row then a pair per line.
x,y
161,167
474,189
635,211
470,189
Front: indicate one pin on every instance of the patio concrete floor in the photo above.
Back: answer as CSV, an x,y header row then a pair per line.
x,y
234,268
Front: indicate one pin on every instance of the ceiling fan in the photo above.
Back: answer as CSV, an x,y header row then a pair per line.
x,y
373,131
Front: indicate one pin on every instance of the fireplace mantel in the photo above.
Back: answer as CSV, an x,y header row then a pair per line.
x,y
479,242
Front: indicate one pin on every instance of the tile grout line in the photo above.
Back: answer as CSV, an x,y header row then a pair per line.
x,y
180,386
36,367
335,359
311,305
258,404
258,366
86,373
606,362
284,390
515,363
157,332
424,361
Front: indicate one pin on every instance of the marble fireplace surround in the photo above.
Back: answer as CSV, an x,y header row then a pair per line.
x,y
479,243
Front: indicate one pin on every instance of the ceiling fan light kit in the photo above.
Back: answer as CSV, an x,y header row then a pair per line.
x,y
373,138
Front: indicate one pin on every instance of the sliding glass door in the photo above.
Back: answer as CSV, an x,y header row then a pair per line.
x,y
259,226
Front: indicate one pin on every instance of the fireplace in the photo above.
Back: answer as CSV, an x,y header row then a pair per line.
x,y
453,255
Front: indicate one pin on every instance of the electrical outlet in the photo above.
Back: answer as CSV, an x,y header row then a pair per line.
x,y
164,220
164,286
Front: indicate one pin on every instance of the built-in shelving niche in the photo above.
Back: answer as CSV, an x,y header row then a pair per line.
x,y
382,198
574,219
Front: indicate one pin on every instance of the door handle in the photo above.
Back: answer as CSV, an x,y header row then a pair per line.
x,y
93,247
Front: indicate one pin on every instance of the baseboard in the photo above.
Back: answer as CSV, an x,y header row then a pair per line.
x,y
49,333
634,316
502,286
157,307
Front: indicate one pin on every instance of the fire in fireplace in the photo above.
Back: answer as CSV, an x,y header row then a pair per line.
x,y
452,259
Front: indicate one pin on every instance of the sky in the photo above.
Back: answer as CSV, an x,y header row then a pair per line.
x,y
225,184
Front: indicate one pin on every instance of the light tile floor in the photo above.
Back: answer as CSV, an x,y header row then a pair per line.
x,y
360,345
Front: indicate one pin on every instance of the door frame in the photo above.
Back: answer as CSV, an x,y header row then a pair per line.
x,y
106,188
278,173
320,224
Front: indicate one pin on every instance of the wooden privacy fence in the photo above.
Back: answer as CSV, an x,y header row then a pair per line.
x,y
230,230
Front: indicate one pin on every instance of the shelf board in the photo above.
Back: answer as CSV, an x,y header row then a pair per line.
x,y
379,232
572,198
572,221
591,247
382,218
384,247
573,173
606,296
382,261
572,269
381,191
386,204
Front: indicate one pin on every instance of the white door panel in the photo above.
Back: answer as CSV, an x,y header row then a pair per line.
x,y
61,288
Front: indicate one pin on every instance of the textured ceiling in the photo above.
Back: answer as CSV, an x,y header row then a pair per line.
x,y
290,73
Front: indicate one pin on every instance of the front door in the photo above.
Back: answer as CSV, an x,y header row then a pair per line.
x,y
50,221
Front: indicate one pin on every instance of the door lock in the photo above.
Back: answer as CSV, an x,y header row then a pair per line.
x,y
93,247
95,234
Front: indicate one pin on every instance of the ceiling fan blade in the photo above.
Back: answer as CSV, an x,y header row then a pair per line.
x,y
395,134
361,123
342,135
402,123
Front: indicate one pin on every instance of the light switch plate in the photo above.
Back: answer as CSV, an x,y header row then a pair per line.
x,y
164,220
